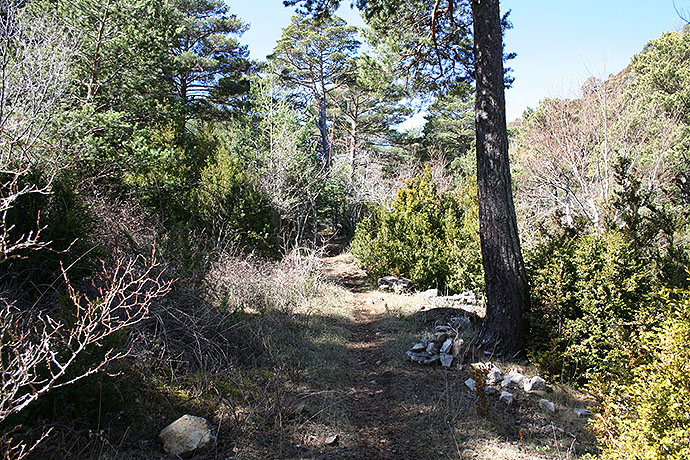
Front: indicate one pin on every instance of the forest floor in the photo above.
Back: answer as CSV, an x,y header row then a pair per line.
x,y
328,379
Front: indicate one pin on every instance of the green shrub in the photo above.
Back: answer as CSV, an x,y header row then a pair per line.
x,y
230,204
430,237
648,417
588,290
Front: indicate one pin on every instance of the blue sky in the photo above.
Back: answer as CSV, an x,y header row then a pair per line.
x,y
559,43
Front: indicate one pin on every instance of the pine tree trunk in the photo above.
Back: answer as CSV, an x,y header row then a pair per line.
x,y
504,329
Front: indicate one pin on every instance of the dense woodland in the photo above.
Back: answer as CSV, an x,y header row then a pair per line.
x,y
164,202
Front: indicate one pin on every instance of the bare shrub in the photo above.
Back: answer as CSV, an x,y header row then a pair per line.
x,y
247,283
40,350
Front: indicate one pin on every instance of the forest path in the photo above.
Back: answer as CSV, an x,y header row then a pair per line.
x,y
380,397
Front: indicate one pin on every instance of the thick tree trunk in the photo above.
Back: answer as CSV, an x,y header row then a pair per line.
x,y
504,329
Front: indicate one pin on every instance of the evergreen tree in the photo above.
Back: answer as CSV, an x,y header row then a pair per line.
x,y
315,58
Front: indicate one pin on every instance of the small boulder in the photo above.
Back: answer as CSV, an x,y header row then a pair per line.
x,y
185,435
536,383
547,405
506,397
471,384
387,282
417,347
433,348
402,286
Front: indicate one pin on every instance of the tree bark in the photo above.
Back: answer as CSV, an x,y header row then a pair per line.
x,y
504,328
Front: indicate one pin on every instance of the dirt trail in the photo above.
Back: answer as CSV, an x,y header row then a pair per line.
x,y
382,426
400,411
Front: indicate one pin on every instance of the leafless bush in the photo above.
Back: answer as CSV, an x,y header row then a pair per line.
x,y
34,58
40,349
247,283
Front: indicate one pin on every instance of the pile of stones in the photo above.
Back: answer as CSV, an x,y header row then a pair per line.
x,y
443,346
507,386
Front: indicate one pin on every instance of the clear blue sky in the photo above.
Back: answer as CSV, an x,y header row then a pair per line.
x,y
559,42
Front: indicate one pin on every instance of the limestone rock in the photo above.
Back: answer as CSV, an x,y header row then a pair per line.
x,y
446,359
447,345
402,285
547,405
331,440
583,412
185,435
417,347
536,383
386,283
494,376
433,348
512,379
506,397
471,384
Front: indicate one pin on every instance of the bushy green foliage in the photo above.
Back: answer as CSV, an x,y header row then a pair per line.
x,y
427,236
587,292
648,416
230,203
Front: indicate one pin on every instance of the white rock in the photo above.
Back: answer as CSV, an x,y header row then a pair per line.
x,y
494,376
513,378
417,347
445,348
446,359
471,384
331,440
506,397
442,328
547,405
185,435
583,412
432,348
536,383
